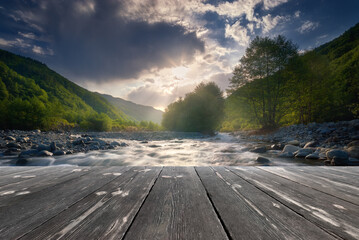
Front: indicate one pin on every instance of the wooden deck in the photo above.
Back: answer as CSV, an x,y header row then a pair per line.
x,y
179,203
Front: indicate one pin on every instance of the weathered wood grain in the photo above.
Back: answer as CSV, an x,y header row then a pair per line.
x,y
283,222
24,173
177,208
13,169
310,177
104,214
42,178
330,213
33,209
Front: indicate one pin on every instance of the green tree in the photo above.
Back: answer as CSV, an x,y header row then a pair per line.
x,y
260,71
200,111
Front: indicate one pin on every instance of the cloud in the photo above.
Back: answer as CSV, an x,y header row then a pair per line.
x,y
268,4
17,42
308,26
238,33
297,14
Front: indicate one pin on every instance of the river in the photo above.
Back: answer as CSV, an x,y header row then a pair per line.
x,y
222,149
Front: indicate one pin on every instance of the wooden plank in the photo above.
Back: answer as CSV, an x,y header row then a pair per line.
x,y
177,208
329,173
22,175
106,213
325,184
43,178
330,213
33,209
286,223
248,213
351,170
6,170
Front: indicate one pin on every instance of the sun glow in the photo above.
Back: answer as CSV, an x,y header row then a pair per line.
x,y
180,72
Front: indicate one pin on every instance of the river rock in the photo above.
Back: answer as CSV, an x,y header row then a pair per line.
x,y
59,153
28,153
353,143
278,146
338,157
43,147
353,151
13,145
286,155
262,149
262,160
44,153
314,155
123,144
294,143
290,149
53,147
311,144
353,162
114,143
10,138
301,153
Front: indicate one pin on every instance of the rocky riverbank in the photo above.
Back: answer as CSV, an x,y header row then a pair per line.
x,y
333,143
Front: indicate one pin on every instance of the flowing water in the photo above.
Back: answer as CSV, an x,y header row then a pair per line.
x,y
222,149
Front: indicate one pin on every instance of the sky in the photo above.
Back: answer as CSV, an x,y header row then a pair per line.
x,y
153,51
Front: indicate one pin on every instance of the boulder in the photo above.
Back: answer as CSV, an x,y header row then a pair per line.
x,y
59,153
43,147
262,160
301,153
311,144
353,162
123,144
294,143
28,153
259,149
353,152
290,149
338,157
278,146
353,143
286,155
53,147
44,153
13,145
314,155
114,143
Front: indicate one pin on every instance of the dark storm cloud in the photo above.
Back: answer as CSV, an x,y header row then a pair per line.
x,y
91,41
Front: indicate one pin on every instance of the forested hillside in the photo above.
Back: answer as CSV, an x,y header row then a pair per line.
x,y
318,86
135,111
33,96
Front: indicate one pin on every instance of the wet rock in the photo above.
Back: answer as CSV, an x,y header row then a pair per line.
x,y
311,144
353,162
338,157
353,151
10,138
13,145
144,142
278,146
53,147
23,139
44,153
290,149
78,142
114,143
69,152
286,155
37,131
262,149
353,143
154,146
294,143
302,153
123,144
28,153
314,155
59,153
43,147
11,151
262,160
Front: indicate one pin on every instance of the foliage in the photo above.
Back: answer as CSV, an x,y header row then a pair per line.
x,y
33,96
259,78
200,111
320,85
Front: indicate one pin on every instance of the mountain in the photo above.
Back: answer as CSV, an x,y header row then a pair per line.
x,y
136,111
34,96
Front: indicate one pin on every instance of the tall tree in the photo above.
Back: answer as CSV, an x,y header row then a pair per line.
x,y
263,63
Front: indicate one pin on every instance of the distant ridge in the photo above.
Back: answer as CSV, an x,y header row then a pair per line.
x,y
136,111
